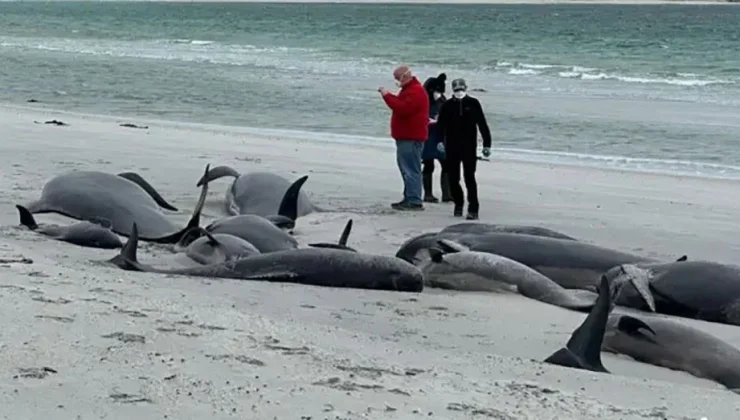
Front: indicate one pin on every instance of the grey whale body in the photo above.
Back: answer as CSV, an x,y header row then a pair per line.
x,y
219,247
307,266
673,345
456,268
259,193
95,195
704,290
483,228
88,234
571,264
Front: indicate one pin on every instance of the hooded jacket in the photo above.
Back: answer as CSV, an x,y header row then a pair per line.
x,y
410,112
458,124
430,151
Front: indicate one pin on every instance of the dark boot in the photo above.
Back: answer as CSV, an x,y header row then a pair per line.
x,y
427,184
472,216
444,181
458,210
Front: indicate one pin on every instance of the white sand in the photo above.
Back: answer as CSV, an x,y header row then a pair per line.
x,y
212,349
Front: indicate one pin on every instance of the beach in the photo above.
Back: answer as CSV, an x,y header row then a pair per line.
x,y
83,340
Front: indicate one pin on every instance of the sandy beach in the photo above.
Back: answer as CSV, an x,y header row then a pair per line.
x,y
82,340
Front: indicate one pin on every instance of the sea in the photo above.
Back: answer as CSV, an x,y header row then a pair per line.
x,y
637,87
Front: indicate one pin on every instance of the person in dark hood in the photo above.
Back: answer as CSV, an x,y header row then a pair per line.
x,y
458,123
434,147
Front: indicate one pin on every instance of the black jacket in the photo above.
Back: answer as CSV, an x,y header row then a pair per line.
x,y
458,123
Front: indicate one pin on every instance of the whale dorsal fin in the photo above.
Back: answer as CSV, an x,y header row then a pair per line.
x,y
682,258
289,204
27,218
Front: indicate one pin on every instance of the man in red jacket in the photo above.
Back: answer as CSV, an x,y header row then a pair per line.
x,y
409,121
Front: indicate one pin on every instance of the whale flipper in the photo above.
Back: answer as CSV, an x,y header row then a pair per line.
x,y
447,246
436,254
211,239
631,325
583,350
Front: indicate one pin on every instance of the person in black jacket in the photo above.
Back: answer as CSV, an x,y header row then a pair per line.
x,y
458,123
434,147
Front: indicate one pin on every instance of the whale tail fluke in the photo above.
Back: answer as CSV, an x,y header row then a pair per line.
x,y
27,218
617,277
583,350
216,173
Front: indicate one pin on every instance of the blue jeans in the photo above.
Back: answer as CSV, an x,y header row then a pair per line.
x,y
408,157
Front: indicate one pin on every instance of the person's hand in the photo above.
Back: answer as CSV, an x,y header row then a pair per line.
x,y
486,152
432,121
383,91
441,147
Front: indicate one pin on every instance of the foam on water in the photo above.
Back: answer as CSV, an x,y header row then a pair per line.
x,y
658,166
566,79
316,60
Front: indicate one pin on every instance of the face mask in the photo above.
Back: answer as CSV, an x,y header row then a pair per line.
x,y
436,95
459,94
398,82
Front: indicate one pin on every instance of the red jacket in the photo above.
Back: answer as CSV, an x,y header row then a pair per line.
x,y
410,112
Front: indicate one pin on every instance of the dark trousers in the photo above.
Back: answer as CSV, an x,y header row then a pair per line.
x,y
468,164
429,166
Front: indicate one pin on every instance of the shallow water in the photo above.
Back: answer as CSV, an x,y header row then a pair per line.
x,y
653,88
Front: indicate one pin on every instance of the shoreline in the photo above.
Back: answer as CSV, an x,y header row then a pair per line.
x,y
600,162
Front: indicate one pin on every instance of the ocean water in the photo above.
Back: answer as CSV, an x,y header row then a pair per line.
x,y
654,88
